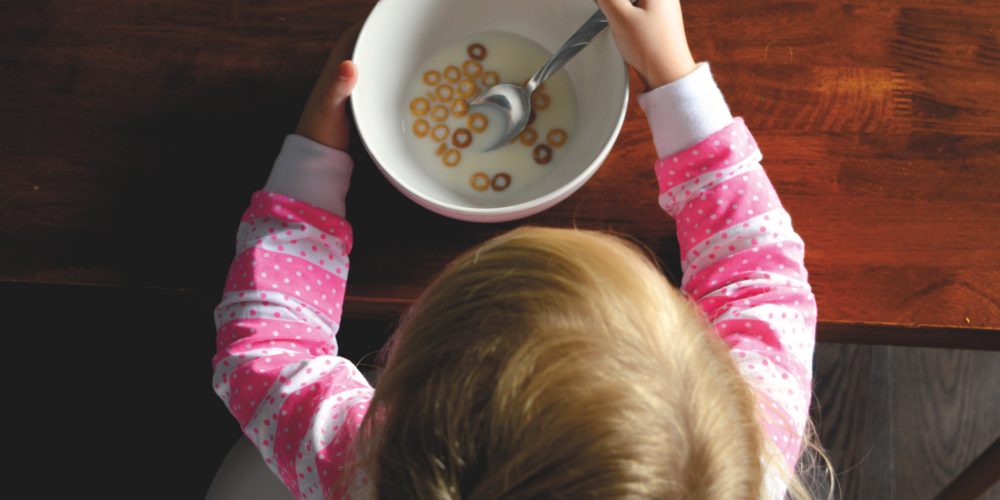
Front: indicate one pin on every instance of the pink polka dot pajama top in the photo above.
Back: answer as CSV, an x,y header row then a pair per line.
x,y
277,368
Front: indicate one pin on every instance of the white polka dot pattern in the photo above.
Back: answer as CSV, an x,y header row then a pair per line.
x,y
744,266
276,365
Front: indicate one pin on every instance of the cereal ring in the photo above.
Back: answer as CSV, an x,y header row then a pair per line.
x,y
540,101
491,78
504,181
459,108
472,69
466,89
439,113
532,117
421,127
441,149
479,181
445,93
528,136
432,77
452,73
461,138
452,158
478,122
542,154
556,137
477,51
440,133
420,106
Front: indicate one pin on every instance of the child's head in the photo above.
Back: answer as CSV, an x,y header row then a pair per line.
x,y
560,363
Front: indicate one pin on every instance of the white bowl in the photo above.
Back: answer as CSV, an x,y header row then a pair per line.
x,y
400,35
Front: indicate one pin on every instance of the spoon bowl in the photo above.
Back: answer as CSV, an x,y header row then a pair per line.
x,y
510,100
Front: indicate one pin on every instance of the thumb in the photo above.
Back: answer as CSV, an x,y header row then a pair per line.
x,y
324,118
346,79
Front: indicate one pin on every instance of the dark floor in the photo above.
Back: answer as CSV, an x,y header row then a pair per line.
x,y
900,423
111,388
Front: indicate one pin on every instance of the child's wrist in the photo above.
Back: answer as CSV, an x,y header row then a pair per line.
x,y
669,70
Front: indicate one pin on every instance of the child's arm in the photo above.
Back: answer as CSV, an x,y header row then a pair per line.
x,y
743,263
277,367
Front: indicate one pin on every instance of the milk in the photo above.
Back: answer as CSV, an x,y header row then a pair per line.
x,y
516,59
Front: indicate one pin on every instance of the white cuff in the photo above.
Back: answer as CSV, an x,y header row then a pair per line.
x,y
685,112
311,172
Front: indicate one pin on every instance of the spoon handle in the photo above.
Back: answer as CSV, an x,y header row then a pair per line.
x,y
590,29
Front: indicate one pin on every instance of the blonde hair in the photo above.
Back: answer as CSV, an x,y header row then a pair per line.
x,y
552,363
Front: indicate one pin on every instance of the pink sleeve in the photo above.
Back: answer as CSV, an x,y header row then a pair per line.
x,y
276,366
744,266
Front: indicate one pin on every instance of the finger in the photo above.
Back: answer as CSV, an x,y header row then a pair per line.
x,y
340,52
347,78
615,10
324,119
345,44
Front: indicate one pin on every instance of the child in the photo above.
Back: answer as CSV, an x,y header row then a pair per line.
x,y
545,363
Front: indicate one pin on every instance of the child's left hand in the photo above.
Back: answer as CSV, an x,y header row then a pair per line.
x,y
324,118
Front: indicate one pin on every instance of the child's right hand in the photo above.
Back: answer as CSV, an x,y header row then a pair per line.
x,y
650,36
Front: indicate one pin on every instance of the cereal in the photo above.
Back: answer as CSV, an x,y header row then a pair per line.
x,y
556,137
500,181
528,136
452,158
420,106
491,78
542,154
432,77
477,51
472,69
439,113
540,101
421,127
478,122
462,138
443,126
444,93
467,88
480,181
440,133
459,108
452,73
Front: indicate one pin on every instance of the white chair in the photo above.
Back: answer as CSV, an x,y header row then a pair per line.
x,y
243,475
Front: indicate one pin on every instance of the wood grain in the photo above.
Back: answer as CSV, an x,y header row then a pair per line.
x,y
945,413
134,133
981,475
902,423
853,416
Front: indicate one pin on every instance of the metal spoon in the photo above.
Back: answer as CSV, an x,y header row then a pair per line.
x,y
514,101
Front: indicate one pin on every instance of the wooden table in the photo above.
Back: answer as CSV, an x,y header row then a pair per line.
x,y
134,133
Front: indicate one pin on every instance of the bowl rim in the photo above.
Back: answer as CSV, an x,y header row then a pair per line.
x,y
506,212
